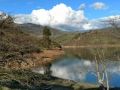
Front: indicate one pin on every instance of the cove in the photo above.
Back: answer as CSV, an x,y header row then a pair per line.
x,y
75,64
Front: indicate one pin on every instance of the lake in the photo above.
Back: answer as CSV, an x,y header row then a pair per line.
x,y
78,63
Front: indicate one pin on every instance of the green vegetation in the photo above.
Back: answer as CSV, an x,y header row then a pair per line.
x,y
76,36
14,43
17,41
57,35
38,29
46,39
109,35
17,45
65,38
27,80
94,38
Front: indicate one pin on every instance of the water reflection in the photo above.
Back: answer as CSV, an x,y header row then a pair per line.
x,y
70,69
46,69
75,64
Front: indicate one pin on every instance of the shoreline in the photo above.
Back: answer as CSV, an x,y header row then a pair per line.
x,y
49,81
90,46
43,58
34,60
56,83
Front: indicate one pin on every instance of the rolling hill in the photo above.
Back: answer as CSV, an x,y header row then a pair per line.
x,y
100,36
58,35
38,29
95,37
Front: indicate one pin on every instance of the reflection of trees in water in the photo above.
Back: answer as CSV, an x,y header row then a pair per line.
x,y
47,67
101,56
81,53
84,53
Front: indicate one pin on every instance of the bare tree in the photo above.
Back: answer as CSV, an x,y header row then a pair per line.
x,y
101,63
113,22
100,67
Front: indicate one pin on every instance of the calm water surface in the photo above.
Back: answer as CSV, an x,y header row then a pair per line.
x,y
76,63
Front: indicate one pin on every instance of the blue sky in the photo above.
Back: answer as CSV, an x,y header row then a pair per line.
x,y
60,12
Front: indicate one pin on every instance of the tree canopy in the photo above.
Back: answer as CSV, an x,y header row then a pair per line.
x,y
46,32
46,39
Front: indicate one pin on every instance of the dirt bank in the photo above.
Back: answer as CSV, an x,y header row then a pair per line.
x,y
33,60
91,46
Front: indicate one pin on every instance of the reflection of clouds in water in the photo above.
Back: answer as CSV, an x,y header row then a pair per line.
x,y
39,70
77,69
87,63
114,66
70,69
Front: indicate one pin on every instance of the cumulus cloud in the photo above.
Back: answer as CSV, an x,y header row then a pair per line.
x,y
82,6
99,5
22,18
62,17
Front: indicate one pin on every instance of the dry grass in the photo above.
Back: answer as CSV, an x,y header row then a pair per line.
x,y
34,60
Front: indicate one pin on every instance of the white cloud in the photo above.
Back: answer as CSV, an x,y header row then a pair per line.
x,y
1,12
99,5
20,18
87,26
62,17
82,6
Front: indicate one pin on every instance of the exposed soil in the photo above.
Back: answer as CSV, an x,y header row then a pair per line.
x,y
91,46
34,59
39,59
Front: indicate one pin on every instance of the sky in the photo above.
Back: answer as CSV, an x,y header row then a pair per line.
x,y
68,15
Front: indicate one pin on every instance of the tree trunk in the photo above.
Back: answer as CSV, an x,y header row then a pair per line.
x,y
101,87
107,80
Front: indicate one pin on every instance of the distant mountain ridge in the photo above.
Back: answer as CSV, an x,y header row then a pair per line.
x,y
58,35
38,29
109,35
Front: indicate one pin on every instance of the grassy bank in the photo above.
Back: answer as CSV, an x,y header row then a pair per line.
x,y
33,81
24,79
28,80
